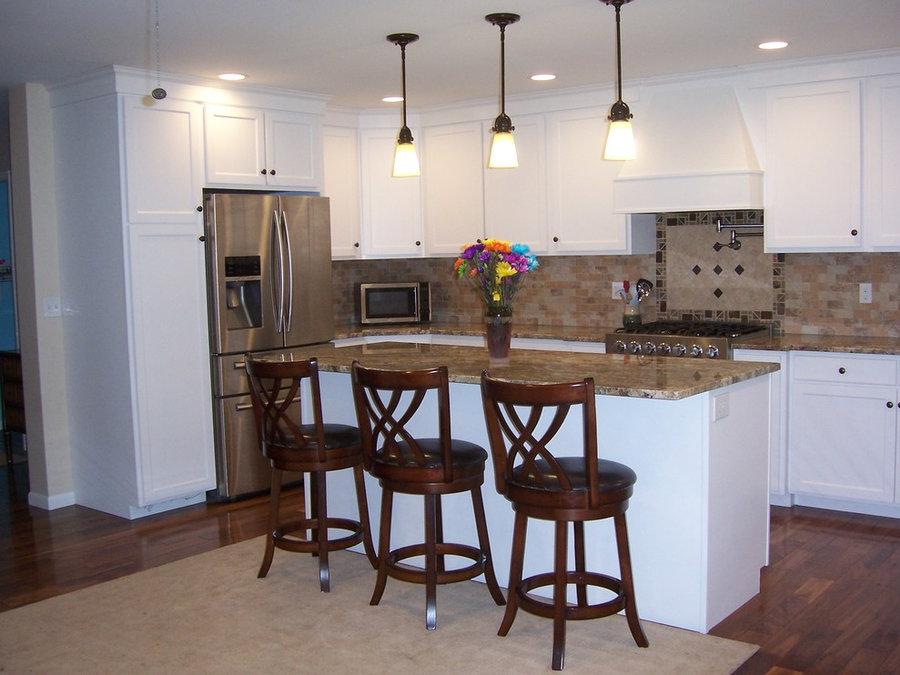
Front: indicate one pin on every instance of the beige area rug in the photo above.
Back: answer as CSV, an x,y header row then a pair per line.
x,y
210,613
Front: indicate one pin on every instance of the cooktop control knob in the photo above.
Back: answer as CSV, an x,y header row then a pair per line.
x,y
679,350
620,347
696,350
664,348
649,347
712,351
634,347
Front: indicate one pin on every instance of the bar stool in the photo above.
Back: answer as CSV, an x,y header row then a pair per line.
x,y
522,420
317,448
386,403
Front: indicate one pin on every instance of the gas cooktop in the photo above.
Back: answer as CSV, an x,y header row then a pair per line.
x,y
697,328
709,339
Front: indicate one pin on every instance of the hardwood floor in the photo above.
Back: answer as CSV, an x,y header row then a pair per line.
x,y
830,600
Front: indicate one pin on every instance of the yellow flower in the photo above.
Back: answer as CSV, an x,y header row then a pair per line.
x,y
504,269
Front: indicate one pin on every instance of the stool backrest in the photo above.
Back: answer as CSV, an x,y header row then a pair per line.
x,y
276,393
387,401
523,420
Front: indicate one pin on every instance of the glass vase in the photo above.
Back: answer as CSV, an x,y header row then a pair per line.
x,y
498,332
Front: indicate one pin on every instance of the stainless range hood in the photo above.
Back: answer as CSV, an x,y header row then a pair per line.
x,y
694,154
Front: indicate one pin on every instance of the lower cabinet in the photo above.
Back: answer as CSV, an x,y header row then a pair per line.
x,y
843,426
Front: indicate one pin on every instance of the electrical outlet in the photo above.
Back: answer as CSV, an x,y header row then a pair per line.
x,y
720,406
865,293
51,306
616,287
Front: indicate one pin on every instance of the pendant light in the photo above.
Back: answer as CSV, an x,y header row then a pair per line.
x,y
406,162
503,146
159,93
620,140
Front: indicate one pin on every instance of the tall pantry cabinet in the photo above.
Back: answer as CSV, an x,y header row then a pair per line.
x,y
129,173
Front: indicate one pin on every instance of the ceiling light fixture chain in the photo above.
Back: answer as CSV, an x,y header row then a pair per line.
x,y
503,148
159,93
406,162
620,141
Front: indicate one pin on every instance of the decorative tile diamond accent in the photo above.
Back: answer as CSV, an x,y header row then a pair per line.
x,y
717,269
718,292
696,269
739,269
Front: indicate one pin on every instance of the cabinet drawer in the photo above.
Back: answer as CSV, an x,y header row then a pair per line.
x,y
845,368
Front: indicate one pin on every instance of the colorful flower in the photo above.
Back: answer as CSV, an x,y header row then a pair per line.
x,y
497,269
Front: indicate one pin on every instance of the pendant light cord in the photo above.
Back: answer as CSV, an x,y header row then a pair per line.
x,y
618,5
502,68
403,74
156,31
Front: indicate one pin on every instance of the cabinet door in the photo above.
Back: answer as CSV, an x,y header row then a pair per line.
x,y
235,146
515,200
812,173
340,183
452,187
292,150
882,198
581,186
163,150
171,362
842,441
391,207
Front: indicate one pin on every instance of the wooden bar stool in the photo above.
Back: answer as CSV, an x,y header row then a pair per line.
x,y
317,448
522,420
386,403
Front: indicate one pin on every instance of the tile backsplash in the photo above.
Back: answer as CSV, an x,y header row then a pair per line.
x,y
796,293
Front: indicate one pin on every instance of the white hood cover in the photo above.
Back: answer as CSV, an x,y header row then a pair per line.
x,y
693,154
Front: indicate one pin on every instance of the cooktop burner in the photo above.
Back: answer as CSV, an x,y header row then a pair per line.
x,y
695,328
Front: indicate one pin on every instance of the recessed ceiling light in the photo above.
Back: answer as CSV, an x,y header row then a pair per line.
x,y
543,77
773,44
232,77
392,99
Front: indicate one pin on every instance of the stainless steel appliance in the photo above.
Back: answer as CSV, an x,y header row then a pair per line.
x,y
690,339
398,302
268,259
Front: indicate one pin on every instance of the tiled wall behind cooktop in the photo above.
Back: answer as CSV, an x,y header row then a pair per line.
x,y
700,277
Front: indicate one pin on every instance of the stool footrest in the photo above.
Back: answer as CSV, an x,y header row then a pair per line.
x,y
544,606
405,572
283,539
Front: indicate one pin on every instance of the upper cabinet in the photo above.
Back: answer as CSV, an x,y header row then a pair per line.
x,y
163,160
251,147
882,162
812,175
340,183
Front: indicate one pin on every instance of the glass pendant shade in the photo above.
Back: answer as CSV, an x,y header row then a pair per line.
x,y
406,162
620,141
503,151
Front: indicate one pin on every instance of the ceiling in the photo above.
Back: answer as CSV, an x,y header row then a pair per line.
x,y
338,47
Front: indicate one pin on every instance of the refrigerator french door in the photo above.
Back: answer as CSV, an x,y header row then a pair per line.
x,y
269,288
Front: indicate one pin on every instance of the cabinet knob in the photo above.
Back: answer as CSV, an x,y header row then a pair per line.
x,y
356,244
555,239
271,172
262,171
890,404
200,209
418,243
202,237
854,232
842,370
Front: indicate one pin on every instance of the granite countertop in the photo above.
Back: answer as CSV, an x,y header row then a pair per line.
x,y
614,374
788,342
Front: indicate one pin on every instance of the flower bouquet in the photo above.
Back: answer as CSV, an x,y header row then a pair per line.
x,y
497,269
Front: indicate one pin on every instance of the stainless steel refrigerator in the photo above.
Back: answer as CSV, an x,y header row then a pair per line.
x,y
268,259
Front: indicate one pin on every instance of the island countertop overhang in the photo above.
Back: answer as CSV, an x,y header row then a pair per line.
x,y
614,374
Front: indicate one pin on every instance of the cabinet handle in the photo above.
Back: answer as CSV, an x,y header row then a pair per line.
x,y
356,244
854,232
555,239
271,172
890,404
418,243
842,370
262,171
200,209
202,237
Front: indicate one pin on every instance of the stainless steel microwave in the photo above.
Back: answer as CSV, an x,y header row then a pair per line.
x,y
400,302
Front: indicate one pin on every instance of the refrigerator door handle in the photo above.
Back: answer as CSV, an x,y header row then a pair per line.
x,y
277,274
241,407
288,270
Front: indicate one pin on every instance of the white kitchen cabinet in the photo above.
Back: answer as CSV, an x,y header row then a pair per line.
x,y
882,163
452,187
163,167
778,388
515,200
391,207
251,147
843,426
341,185
812,172
134,301
580,197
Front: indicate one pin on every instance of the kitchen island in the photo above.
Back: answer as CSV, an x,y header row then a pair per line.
x,y
694,431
